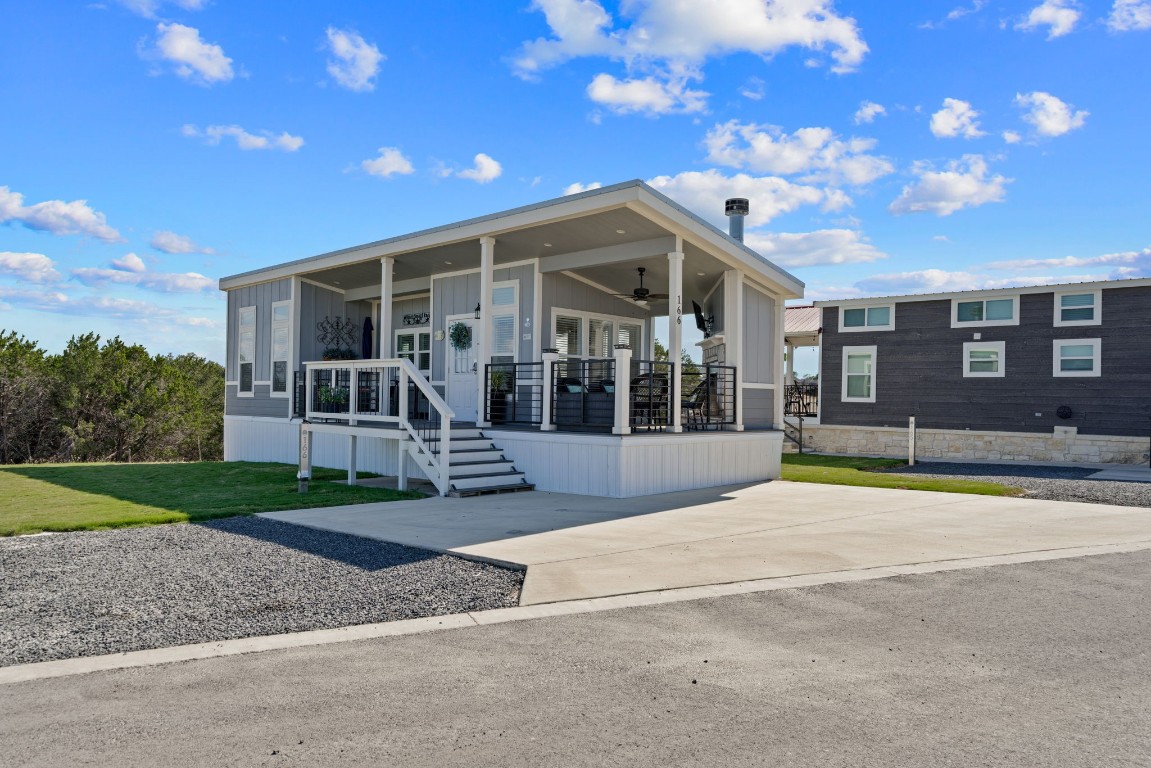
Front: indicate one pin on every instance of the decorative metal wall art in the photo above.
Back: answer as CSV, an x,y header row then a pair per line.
x,y
418,318
337,333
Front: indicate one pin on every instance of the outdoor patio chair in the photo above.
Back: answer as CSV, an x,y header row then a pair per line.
x,y
649,399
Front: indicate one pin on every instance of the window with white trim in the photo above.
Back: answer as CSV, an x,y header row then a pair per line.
x,y
1076,357
281,347
984,359
858,385
975,313
602,333
505,321
877,318
246,350
1080,308
415,346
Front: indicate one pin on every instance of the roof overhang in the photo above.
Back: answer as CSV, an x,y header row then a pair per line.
x,y
1136,282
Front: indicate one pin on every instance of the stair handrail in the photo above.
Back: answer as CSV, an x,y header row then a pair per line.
x,y
439,462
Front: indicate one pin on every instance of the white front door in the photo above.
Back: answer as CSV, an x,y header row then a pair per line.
x,y
463,378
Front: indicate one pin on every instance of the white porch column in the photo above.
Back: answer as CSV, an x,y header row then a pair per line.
x,y
777,362
548,392
789,348
675,332
733,336
484,347
622,425
384,326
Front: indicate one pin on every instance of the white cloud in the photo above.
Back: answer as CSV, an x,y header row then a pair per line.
x,y
575,188
105,306
942,281
356,62
868,111
29,267
56,216
170,242
214,134
705,191
131,270
1059,16
149,8
485,169
955,14
1130,15
194,60
753,89
647,95
670,40
957,118
1012,137
390,162
965,184
1130,260
1050,115
809,249
816,152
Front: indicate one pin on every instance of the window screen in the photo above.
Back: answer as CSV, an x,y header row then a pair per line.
x,y
568,340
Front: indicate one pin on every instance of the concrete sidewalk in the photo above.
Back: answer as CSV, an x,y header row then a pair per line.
x,y
577,547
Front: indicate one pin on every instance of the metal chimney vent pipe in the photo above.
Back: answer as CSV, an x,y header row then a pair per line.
x,y
735,208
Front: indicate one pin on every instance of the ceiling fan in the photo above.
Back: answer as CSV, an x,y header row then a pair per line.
x,y
641,295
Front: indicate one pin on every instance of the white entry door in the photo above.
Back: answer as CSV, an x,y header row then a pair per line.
x,y
463,376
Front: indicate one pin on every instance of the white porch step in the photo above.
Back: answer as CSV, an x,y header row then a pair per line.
x,y
492,480
474,469
468,455
466,433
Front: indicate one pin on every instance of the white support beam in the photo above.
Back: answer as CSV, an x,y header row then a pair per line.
x,y
609,254
484,347
733,335
789,348
384,326
675,333
777,362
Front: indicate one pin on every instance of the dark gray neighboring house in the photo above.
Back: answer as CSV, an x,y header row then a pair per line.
x,y
1047,373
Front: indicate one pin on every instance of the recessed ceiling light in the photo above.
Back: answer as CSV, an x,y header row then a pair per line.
x,y
336,282
701,274
448,263
621,231
547,245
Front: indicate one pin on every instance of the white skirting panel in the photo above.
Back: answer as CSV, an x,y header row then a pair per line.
x,y
619,467
253,438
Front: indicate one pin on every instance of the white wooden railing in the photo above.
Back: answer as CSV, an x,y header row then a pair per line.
x,y
376,391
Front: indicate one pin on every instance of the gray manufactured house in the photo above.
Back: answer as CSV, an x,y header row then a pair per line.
x,y
1057,372
518,350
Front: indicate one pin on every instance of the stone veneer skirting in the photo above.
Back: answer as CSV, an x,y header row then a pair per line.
x,y
964,444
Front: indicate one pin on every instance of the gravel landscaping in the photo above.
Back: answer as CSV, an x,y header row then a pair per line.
x,y
97,592
1042,482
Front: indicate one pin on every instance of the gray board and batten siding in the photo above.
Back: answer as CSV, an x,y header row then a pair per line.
x,y
919,370
317,304
759,322
260,403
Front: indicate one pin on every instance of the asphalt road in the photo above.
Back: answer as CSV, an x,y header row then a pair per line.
x,y
1041,664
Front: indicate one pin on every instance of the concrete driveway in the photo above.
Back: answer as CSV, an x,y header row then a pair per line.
x,y
578,547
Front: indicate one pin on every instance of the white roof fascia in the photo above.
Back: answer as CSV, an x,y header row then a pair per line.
x,y
1136,282
569,207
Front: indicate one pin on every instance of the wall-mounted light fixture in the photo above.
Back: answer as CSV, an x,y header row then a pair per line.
x,y
477,310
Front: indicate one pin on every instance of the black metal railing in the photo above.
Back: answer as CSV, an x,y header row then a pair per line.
x,y
513,393
710,402
331,391
299,394
584,396
649,407
800,399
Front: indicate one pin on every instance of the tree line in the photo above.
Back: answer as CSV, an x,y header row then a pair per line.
x,y
107,402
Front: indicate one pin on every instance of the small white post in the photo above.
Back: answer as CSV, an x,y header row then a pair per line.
x,y
305,473
675,332
622,424
911,441
549,359
351,459
445,456
484,332
402,466
790,377
353,401
402,398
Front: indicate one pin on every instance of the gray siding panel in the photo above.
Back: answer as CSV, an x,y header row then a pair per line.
x,y
919,370
758,408
261,296
318,304
260,404
759,337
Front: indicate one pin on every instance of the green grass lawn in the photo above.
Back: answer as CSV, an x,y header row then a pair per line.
x,y
853,470
75,497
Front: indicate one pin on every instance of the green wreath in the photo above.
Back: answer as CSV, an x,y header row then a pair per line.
x,y
460,335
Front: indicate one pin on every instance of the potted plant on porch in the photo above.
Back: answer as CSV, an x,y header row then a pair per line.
x,y
499,392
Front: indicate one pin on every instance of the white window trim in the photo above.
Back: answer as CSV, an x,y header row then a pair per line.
x,y
255,340
287,393
955,323
871,350
1098,307
585,328
415,330
514,311
864,328
1096,357
971,346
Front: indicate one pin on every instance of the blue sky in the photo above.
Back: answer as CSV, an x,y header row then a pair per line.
x,y
150,147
